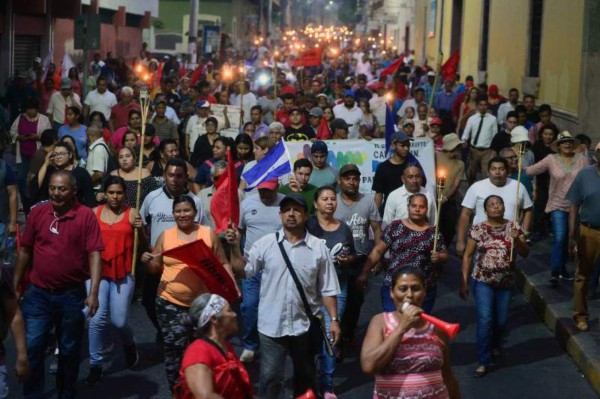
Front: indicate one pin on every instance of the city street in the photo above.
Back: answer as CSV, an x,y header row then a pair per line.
x,y
533,365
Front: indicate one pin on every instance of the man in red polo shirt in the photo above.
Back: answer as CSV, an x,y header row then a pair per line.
x,y
119,113
63,244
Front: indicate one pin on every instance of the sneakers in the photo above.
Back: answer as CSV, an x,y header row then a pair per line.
x,y
247,356
94,376
564,275
131,356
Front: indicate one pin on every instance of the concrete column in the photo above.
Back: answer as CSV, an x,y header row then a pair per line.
x,y
6,43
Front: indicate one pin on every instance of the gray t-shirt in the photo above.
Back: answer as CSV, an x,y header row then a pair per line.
x,y
358,217
157,211
258,219
585,192
324,177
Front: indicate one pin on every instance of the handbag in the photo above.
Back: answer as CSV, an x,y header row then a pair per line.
x,y
317,332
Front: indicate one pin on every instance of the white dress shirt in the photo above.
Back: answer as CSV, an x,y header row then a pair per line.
x,y
352,116
396,205
280,309
489,128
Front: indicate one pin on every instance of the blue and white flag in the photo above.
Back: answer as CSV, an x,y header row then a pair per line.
x,y
276,163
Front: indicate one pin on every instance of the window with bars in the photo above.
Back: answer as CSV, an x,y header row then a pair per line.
x,y
535,36
485,36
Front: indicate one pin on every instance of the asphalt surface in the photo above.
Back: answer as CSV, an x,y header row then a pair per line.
x,y
533,364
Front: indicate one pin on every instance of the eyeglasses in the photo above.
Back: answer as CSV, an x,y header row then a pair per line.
x,y
513,157
61,154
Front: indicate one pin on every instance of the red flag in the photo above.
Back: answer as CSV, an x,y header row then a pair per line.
x,y
309,58
392,68
158,75
225,202
182,71
196,76
323,132
202,261
450,67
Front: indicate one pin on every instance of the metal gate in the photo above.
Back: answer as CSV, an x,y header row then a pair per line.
x,y
26,48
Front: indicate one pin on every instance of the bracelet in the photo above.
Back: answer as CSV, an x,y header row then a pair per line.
x,y
335,319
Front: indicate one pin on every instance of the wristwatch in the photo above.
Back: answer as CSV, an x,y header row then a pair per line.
x,y
335,319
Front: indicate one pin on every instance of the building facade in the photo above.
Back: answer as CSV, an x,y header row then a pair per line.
x,y
548,48
34,28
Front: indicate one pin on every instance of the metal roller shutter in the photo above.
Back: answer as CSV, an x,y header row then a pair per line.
x,y
26,49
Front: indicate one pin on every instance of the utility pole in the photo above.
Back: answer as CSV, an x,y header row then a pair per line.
x,y
193,32
269,21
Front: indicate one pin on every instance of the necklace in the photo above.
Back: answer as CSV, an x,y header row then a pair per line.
x,y
114,220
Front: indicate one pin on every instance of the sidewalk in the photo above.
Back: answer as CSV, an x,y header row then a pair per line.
x,y
555,307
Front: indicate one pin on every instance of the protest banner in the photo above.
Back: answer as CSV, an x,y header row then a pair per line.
x,y
233,113
367,155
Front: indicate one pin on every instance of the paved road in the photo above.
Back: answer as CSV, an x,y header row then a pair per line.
x,y
533,366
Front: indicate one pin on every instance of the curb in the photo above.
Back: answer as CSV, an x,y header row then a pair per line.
x,y
554,306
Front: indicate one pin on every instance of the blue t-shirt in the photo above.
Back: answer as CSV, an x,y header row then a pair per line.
x,y
78,135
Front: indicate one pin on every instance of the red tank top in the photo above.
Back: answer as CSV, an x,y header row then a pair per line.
x,y
118,246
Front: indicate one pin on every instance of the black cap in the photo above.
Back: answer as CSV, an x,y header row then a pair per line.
x,y
349,168
293,197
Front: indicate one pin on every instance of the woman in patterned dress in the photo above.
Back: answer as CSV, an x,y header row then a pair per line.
x,y
408,356
491,242
410,242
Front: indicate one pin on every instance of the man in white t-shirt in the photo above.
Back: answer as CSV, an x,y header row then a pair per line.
x,y
498,184
350,112
99,99
396,206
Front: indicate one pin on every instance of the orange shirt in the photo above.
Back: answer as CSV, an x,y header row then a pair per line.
x,y
178,283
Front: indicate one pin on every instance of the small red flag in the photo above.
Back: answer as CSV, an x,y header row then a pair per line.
x,y
158,75
309,58
182,71
323,132
392,68
225,202
450,67
196,75
202,261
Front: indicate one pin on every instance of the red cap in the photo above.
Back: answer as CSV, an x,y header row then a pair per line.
x,y
269,184
436,121
376,86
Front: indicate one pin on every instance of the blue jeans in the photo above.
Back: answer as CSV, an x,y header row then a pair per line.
x,y
42,310
114,298
249,310
326,362
560,226
389,306
492,306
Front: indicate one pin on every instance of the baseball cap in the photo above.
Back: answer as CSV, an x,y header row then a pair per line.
x,y
339,123
435,121
202,104
430,73
349,93
316,111
37,59
349,168
269,184
408,122
65,83
348,79
400,137
319,146
293,197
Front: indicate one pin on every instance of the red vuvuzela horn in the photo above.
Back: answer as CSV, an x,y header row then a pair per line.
x,y
309,394
450,329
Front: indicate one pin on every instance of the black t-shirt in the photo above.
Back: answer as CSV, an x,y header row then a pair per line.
x,y
500,141
533,117
388,177
303,133
342,235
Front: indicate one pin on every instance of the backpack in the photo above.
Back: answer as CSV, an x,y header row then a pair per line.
x,y
111,162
